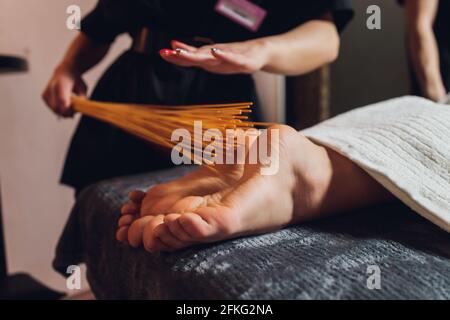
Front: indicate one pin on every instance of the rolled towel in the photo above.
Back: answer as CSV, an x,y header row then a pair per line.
x,y
404,144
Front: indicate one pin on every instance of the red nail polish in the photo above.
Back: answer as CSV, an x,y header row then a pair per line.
x,y
167,52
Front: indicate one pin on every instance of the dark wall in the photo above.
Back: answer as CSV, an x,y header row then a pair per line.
x,y
372,65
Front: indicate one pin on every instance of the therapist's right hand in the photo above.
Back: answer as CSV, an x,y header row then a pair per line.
x,y
57,94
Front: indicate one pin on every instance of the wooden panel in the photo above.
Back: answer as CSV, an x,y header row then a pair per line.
x,y
308,99
271,93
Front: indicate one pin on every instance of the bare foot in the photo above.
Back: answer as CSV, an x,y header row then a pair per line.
x,y
312,182
160,199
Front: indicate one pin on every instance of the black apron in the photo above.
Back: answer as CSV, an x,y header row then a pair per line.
x,y
99,151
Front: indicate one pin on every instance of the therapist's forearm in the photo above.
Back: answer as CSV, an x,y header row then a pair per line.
x,y
304,49
82,55
423,47
425,59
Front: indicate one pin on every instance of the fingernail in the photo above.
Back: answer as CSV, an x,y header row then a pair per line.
x,y
215,50
167,52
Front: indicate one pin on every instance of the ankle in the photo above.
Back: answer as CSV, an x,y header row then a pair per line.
x,y
313,173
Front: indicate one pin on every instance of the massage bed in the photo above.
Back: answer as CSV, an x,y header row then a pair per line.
x,y
333,258
326,259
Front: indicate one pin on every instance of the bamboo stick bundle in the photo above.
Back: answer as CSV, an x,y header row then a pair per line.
x,y
156,123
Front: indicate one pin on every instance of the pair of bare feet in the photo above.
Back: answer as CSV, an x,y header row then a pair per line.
x,y
236,200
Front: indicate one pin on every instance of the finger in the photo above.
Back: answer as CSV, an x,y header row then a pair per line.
x,y
237,60
198,58
47,97
52,99
173,57
181,45
136,196
80,88
68,112
185,58
62,100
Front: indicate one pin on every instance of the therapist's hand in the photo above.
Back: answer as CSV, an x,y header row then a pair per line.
x,y
232,58
61,86
435,91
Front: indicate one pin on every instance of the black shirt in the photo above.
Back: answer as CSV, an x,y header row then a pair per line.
x,y
198,18
99,151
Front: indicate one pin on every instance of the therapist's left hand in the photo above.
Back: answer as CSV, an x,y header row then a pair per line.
x,y
231,58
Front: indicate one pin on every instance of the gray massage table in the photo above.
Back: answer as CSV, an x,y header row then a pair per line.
x,y
325,259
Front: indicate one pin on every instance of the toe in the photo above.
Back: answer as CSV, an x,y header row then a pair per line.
x,y
156,245
122,234
223,221
130,208
136,196
126,220
173,222
195,226
152,243
163,233
135,233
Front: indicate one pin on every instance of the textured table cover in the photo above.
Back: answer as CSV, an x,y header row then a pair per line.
x,y
326,259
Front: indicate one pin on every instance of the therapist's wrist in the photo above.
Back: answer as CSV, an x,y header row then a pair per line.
x,y
68,67
263,47
435,91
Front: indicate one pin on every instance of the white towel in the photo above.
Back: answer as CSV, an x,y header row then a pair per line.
x,y
402,143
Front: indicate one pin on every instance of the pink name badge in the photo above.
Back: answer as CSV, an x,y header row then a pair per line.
x,y
243,12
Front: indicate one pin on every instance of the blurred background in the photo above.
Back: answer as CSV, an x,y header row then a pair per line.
x,y
33,142
372,64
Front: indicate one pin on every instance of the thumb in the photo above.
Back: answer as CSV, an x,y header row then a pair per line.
x,y
232,58
181,45
80,88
